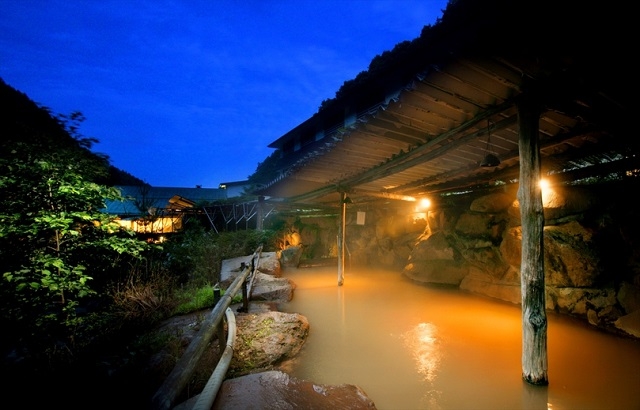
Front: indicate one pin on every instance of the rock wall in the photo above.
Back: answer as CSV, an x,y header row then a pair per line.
x,y
591,248
590,253
386,237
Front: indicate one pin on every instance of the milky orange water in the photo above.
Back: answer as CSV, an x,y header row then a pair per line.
x,y
410,346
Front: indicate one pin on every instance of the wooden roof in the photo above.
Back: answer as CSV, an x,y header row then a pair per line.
x,y
453,100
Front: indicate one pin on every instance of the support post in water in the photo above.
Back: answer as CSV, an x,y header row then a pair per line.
x,y
343,207
534,316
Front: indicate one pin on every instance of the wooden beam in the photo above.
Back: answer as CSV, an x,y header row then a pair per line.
x,y
534,316
417,155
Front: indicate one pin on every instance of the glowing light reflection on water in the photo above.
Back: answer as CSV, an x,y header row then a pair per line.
x,y
410,346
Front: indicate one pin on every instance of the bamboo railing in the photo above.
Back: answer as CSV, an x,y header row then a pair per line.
x,y
174,384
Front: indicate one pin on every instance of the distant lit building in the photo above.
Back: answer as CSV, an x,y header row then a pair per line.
x,y
154,211
234,189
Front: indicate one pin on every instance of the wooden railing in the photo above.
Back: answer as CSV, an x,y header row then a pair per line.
x,y
174,384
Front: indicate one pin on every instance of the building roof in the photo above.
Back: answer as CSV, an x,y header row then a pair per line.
x,y
422,124
236,183
138,200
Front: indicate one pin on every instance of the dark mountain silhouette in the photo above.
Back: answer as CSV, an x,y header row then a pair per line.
x,y
24,121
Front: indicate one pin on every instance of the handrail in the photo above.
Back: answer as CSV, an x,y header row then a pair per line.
x,y
208,394
165,396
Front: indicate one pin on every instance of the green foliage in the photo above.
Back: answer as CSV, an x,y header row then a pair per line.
x,y
199,299
192,256
241,243
56,247
194,300
76,289
266,170
195,255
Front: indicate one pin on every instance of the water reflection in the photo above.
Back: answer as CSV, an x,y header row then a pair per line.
x,y
421,342
423,346
535,397
414,347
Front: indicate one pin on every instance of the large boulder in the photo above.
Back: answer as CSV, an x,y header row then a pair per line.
x,y
506,289
393,252
479,225
560,203
580,301
267,283
290,256
266,339
269,264
267,287
571,257
436,272
433,261
231,268
286,392
492,203
432,247
629,297
630,323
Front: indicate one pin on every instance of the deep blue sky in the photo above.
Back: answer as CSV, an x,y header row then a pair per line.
x,y
186,93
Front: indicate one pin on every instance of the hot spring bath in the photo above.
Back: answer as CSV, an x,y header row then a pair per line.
x,y
410,346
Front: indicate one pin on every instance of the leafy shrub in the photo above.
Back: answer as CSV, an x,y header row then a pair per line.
x,y
195,255
57,249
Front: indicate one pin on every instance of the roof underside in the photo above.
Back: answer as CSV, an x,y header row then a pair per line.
x,y
430,136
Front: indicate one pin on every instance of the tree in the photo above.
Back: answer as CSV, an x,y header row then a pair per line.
x,y
266,171
54,241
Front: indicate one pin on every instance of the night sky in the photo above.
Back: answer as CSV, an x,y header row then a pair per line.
x,y
186,93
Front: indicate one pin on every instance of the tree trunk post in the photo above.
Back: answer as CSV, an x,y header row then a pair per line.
x,y
534,317
341,235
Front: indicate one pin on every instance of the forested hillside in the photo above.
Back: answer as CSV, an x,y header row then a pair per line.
x,y
60,256
22,120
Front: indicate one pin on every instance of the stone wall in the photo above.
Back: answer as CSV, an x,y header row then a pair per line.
x,y
591,245
591,248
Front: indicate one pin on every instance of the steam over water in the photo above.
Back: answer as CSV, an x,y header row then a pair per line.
x,y
410,346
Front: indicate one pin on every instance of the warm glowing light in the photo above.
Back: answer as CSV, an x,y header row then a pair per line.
x,y
390,195
424,203
547,192
544,184
421,210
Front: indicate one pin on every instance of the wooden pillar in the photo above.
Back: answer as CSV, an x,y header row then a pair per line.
x,y
245,296
260,216
341,235
534,316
